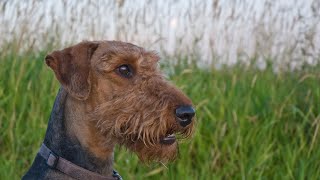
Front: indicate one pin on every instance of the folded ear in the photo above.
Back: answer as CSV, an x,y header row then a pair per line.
x,y
72,68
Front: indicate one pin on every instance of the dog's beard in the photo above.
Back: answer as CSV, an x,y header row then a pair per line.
x,y
159,152
141,125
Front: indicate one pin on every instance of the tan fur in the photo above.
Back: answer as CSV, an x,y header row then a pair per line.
x,y
105,108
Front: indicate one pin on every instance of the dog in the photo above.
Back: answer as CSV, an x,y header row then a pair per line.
x,y
111,93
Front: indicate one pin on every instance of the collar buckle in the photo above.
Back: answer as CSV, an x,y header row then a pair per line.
x,y
116,175
52,160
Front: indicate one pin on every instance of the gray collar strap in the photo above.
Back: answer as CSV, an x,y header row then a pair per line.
x,y
70,169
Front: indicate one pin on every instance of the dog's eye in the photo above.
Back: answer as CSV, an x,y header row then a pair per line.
x,y
125,71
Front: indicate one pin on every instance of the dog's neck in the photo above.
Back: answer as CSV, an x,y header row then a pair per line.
x,y
63,137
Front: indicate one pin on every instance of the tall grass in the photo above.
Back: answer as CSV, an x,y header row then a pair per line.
x,y
251,124
214,31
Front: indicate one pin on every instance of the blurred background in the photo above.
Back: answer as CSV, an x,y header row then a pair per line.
x,y
250,67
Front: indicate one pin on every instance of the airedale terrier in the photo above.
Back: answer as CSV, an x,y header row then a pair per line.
x,y
111,93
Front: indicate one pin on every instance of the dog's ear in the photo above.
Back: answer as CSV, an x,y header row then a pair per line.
x,y
72,68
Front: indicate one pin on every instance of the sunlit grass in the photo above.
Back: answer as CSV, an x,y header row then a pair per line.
x,y
250,124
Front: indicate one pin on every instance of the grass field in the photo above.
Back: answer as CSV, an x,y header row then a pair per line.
x,y
251,124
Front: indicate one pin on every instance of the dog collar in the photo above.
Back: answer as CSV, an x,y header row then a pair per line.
x,y
56,162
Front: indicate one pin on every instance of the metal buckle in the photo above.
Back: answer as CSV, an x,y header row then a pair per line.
x,y
52,160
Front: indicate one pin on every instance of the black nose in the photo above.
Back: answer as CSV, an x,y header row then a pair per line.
x,y
184,115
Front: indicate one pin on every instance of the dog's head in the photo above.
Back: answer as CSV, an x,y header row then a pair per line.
x,y
129,101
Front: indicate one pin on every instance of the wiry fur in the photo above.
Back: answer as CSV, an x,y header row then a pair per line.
x,y
141,112
141,118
